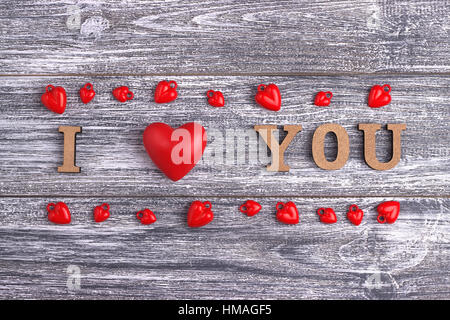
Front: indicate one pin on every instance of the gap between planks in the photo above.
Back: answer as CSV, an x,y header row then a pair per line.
x,y
226,196
235,74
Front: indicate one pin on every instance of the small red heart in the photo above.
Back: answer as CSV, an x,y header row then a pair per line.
x,y
58,213
87,93
327,215
379,96
269,97
287,213
146,216
175,151
123,94
215,98
388,211
166,91
250,208
101,213
199,214
355,214
55,99
323,99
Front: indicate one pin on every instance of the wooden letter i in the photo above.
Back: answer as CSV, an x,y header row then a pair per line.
x,y
69,149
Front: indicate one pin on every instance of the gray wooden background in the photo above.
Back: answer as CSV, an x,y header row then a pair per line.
x,y
232,46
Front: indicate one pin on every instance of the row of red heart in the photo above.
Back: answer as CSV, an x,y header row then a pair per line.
x,y
201,214
55,98
268,96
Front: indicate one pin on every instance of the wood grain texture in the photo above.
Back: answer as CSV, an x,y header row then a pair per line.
x,y
232,46
113,160
233,257
213,37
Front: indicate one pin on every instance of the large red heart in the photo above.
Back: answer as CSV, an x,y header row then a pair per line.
x,y
87,93
379,96
101,213
327,215
55,99
355,214
166,91
388,211
250,208
269,97
215,98
58,213
175,151
287,213
199,214
323,99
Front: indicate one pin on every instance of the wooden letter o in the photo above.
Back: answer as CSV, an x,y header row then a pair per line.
x,y
342,145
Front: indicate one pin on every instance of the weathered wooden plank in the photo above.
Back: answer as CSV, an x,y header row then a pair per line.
x,y
114,162
233,257
264,36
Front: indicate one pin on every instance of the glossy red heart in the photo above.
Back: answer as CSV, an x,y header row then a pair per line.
x,y
355,215
379,96
250,208
166,91
55,99
87,93
58,213
123,94
323,99
101,213
146,216
327,215
269,97
287,213
388,211
175,151
199,214
215,98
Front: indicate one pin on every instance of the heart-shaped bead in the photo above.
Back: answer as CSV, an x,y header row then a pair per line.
x,y
175,151
55,99
323,99
388,211
199,214
287,213
87,93
215,98
250,208
379,96
146,216
327,215
355,214
123,94
58,213
166,91
269,97
101,213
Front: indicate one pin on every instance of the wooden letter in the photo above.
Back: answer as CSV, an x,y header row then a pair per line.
x,y
318,146
69,149
370,144
266,132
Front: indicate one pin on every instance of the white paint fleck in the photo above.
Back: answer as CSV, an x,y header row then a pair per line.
x,y
373,20
73,22
94,27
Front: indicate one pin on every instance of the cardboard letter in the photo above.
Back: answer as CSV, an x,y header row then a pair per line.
x,y
342,145
370,144
266,132
69,149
